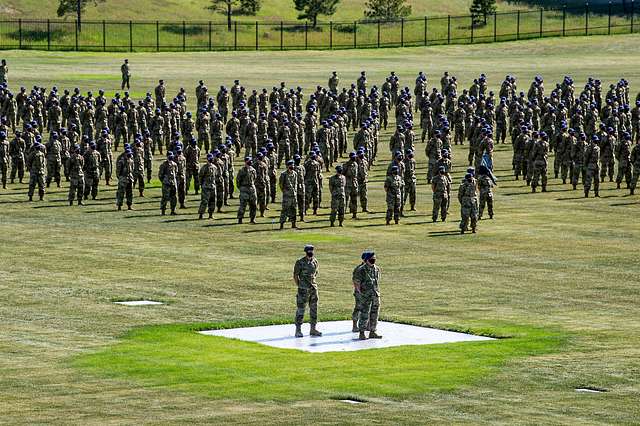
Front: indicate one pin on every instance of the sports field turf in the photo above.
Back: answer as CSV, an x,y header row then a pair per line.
x,y
555,273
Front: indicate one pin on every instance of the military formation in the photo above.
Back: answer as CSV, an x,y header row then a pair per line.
x,y
252,145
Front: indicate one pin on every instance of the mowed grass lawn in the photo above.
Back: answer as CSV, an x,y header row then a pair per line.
x,y
556,272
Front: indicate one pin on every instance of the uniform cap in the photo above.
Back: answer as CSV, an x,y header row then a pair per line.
x,y
368,255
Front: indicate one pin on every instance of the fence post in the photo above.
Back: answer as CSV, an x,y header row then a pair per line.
x,y
281,35
157,36
378,33
130,36
472,29
540,22
306,35
586,19
425,31
235,35
76,22
495,25
632,4
257,35
448,29
401,32
184,36
609,24
355,34
518,26
19,33
209,36
48,34
330,34
564,19
104,35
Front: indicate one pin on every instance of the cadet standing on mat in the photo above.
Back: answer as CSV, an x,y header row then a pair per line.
x,y
366,280
305,272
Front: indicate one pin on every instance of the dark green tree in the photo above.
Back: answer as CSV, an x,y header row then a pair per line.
x,y
250,7
68,7
223,6
482,8
310,9
387,9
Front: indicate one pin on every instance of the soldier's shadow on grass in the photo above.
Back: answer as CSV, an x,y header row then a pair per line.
x,y
443,233
140,216
625,204
182,219
16,202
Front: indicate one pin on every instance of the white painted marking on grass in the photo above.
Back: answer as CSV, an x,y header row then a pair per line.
x,y
337,336
588,390
139,303
351,401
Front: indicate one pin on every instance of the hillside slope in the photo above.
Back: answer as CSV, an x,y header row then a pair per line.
x,y
272,10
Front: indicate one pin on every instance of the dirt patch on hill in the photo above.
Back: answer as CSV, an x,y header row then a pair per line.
x,y
8,10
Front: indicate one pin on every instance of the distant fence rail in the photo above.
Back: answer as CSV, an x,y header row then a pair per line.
x,y
119,36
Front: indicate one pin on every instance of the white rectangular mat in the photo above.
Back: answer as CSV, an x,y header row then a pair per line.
x,y
337,336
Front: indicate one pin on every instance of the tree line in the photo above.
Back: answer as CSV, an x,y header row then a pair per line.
x,y
309,10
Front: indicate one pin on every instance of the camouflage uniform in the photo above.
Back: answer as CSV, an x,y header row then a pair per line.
x,y
410,182
289,186
246,184
181,178
337,184
262,184
485,185
167,175
392,187
92,161
37,165
5,161
440,185
351,185
312,184
635,161
363,182
606,157
54,162
192,154
540,154
468,197
305,272
592,164
623,154
124,171
577,158
207,177
76,177
17,149
367,278
138,168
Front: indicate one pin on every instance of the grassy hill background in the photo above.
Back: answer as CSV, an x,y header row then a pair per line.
x,y
272,10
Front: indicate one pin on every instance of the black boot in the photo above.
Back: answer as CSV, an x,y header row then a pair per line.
x,y
314,331
299,330
374,335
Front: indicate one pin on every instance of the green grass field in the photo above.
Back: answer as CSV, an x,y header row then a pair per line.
x,y
555,273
